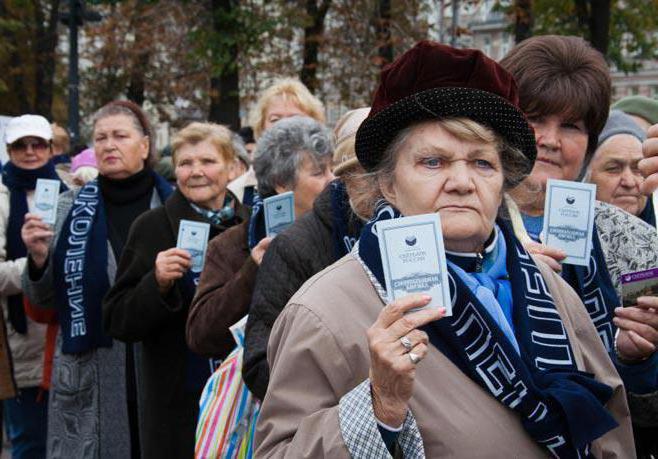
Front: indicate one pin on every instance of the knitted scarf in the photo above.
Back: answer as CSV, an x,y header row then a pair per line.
x,y
80,269
19,181
560,407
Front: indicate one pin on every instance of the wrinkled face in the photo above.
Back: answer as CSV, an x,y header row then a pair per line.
x,y
279,108
312,178
616,175
202,174
29,152
461,180
561,148
120,147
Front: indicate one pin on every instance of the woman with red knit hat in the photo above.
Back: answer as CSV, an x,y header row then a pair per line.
x,y
517,370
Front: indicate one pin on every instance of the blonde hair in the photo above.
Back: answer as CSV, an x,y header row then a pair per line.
x,y
366,191
291,90
219,136
61,139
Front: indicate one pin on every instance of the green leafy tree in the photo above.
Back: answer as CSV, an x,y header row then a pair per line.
x,y
623,30
28,42
229,30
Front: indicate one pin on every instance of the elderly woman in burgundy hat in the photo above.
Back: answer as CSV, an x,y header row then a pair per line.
x,y
517,370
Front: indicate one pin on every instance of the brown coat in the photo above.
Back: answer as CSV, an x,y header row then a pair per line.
x,y
223,294
318,353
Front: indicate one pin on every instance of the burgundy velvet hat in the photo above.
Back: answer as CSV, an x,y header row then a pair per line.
x,y
434,81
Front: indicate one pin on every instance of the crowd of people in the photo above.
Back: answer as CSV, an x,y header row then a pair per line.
x,y
110,331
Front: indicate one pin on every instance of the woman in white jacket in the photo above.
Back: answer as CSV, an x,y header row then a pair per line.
x,y
28,139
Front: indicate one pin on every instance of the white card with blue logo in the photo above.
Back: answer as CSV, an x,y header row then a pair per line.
x,y
279,213
569,219
414,260
46,196
193,237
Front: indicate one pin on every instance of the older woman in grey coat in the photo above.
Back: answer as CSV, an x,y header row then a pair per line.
x,y
93,408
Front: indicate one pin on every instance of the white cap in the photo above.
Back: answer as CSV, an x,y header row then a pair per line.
x,y
28,126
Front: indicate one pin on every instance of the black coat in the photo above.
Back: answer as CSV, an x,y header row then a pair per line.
x,y
293,257
135,311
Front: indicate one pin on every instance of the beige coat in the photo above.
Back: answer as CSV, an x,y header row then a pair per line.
x,y
27,351
318,353
238,185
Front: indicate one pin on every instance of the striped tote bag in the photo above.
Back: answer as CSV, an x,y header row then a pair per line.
x,y
228,412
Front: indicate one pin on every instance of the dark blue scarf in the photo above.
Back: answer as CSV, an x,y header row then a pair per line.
x,y
256,230
80,269
594,286
560,407
20,181
343,219
648,215
62,159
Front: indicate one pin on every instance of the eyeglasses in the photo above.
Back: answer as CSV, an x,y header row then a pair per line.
x,y
21,146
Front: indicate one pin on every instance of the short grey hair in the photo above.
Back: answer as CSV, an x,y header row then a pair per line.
x,y
282,148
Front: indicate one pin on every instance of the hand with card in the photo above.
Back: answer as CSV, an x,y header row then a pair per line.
x,y
638,330
396,347
552,256
36,235
171,265
638,318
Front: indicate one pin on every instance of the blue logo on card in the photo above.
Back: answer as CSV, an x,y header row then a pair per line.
x,y
571,199
410,240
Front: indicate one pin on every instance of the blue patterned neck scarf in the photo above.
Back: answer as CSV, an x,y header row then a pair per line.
x,y
217,217
560,407
593,285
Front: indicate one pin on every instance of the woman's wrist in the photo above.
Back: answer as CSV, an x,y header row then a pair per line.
x,y
388,412
38,260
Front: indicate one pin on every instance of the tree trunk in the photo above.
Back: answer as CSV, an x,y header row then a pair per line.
x,y
599,25
313,36
582,12
225,87
14,74
137,83
44,50
524,20
385,45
